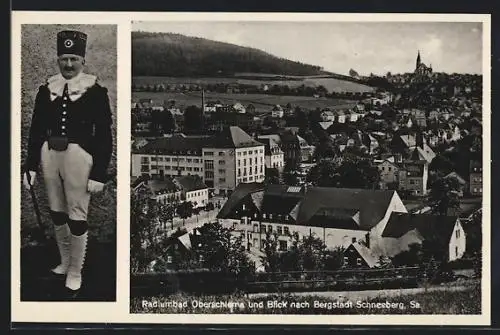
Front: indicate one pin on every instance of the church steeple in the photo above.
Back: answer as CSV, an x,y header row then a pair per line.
x,y
418,59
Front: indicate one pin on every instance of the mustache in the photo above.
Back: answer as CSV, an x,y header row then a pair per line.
x,y
68,68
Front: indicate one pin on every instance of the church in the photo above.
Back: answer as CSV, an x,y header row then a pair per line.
x,y
421,69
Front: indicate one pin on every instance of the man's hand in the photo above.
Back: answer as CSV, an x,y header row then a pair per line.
x,y
29,178
94,186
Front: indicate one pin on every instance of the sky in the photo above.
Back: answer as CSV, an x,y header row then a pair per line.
x,y
367,47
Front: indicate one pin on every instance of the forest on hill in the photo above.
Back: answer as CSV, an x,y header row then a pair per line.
x,y
176,55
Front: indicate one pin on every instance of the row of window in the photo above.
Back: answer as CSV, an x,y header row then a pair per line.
x,y
249,179
191,195
249,152
145,160
211,153
256,171
250,161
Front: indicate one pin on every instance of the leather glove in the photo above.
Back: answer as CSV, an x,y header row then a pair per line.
x,y
29,182
94,186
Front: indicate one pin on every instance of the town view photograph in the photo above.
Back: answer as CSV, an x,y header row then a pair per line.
x,y
306,168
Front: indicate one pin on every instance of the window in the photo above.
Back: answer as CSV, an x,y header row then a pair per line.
x,y
256,228
255,170
353,239
457,233
222,162
221,153
222,180
270,228
244,153
245,171
250,178
245,162
209,153
255,160
144,168
196,160
287,231
167,167
263,228
189,168
239,172
153,159
346,260
167,159
282,245
174,159
358,261
456,251
279,230
145,160
383,168
209,165
197,169
169,259
245,180
181,160
160,159
182,168
261,169
222,171
189,160
239,153
390,168
209,174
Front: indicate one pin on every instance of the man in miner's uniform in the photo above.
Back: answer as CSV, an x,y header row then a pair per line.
x,y
71,137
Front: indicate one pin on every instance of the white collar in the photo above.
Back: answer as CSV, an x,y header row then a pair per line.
x,y
76,86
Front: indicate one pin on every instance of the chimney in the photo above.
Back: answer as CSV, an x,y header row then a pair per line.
x,y
368,240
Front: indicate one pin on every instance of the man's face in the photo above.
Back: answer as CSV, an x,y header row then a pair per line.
x,y
70,65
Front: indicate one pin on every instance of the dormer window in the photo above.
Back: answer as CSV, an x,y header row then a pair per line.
x,y
243,207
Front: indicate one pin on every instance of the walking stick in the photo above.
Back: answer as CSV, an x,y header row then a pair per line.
x,y
38,234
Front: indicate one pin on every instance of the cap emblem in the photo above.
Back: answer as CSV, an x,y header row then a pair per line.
x,y
68,43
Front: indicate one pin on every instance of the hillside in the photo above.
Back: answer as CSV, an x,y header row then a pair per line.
x,y
167,54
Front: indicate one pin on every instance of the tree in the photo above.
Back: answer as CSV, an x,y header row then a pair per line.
x,y
193,119
351,173
290,172
145,243
444,195
185,210
325,149
271,257
223,252
313,252
272,176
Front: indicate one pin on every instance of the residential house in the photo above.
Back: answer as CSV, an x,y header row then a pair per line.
x,y
162,190
327,116
250,109
407,144
239,108
193,190
306,150
337,216
277,112
389,174
274,156
476,178
222,161
413,176
340,116
357,255
444,234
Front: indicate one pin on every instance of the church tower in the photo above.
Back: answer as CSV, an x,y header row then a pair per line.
x,y
418,60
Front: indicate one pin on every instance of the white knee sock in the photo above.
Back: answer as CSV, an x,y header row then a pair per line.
x,y
63,236
77,258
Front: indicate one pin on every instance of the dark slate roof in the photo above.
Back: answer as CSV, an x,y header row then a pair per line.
x,y
316,206
428,226
239,193
233,137
229,137
161,186
364,253
191,183
176,143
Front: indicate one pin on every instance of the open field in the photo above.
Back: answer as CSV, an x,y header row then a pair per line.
x,y
331,84
38,63
262,102
465,300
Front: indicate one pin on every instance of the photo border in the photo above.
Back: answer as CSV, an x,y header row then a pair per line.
x,y
118,312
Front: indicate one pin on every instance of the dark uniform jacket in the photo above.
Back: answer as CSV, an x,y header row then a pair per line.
x,y
84,119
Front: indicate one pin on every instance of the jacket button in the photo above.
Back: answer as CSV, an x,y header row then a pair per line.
x,y
64,105
65,98
63,127
63,119
64,112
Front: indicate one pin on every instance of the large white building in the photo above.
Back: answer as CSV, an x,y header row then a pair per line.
x,y
222,161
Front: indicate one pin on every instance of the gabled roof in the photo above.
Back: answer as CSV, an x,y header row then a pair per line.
x,y
314,206
161,186
190,183
428,226
234,137
365,253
